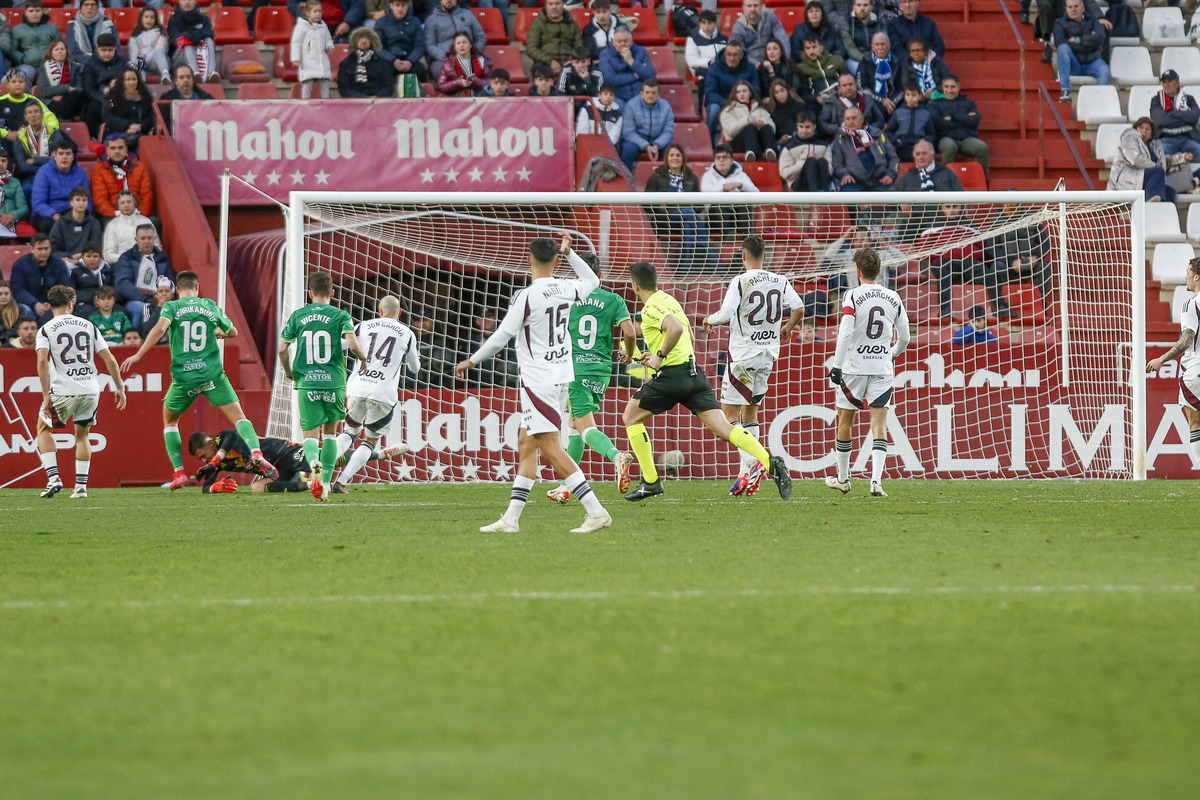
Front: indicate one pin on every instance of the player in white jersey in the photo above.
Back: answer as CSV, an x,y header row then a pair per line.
x,y
371,391
753,307
539,317
66,346
863,370
1187,349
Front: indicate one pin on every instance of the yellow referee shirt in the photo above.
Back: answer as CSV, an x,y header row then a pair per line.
x,y
658,307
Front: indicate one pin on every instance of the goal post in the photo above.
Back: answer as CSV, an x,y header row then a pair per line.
x,y
1052,388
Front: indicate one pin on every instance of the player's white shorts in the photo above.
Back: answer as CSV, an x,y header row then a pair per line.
x,y
543,408
745,382
864,391
78,407
366,412
1189,390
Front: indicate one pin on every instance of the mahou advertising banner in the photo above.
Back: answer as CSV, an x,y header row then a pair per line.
x,y
486,144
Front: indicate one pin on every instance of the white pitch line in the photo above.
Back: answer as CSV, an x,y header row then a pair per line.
x,y
685,594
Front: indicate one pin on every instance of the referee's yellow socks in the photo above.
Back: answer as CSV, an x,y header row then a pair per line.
x,y
639,443
744,440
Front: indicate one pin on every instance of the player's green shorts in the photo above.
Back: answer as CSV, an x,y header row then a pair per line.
x,y
180,396
318,406
585,393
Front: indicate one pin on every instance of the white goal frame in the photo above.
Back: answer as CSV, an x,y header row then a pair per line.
x,y
291,282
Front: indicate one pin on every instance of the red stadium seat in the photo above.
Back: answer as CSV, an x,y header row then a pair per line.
x,y
828,222
509,58
229,25
282,65
663,59
233,54
682,101
729,18
78,131
164,16
124,20
157,90
257,91
336,56
215,89
642,171
273,25
492,24
525,17
60,17
582,16
789,17
14,16
695,140
8,254
647,32
765,175
970,174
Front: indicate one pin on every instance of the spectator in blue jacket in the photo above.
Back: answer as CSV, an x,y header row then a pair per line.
x,y
723,75
648,124
910,25
34,273
975,330
53,184
403,39
137,272
910,123
626,65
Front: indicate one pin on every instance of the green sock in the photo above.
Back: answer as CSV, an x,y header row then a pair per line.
x,y
328,455
245,429
603,445
310,450
174,447
575,446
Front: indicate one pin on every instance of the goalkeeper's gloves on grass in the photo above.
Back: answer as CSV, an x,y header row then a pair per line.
x,y
208,470
226,485
835,376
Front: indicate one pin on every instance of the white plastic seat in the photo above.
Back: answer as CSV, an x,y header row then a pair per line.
x,y
1181,296
1184,60
1099,104
1171,262
1162,223
1163,27
1139,101
1131,66
1193,223
1108,139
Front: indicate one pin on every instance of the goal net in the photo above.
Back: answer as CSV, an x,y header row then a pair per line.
x,y
1026,310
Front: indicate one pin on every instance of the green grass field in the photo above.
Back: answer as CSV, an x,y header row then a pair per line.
x,y
964,639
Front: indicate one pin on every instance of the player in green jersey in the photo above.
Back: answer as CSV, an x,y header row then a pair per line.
x,y
194,324
319,374
591,331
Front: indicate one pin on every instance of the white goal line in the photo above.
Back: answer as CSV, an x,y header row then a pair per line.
x,y
683,594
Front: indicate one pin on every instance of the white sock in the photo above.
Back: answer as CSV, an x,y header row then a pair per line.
x,y
344,440
360,456
878,456
1196,447
50,464
748,461
843,461
81,473
579,487
519,497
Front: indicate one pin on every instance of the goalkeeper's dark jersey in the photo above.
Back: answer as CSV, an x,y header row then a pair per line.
x,y
287,457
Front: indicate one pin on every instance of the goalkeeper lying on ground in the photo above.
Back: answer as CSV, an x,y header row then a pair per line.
x,y
229,453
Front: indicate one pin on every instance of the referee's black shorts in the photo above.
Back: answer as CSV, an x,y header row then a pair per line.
x,y
676,384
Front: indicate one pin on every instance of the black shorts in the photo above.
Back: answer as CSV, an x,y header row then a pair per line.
x,y
680,383
291,461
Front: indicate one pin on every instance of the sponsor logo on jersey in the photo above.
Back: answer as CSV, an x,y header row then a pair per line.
x,y
318,376
204,387
321,397
873,349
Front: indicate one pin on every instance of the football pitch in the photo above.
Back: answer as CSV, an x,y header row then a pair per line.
x,y
959,639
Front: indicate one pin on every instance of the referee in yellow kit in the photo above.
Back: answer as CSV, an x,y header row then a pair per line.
x,y
677,379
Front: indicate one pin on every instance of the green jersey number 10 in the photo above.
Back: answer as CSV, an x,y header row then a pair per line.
x,y
318,348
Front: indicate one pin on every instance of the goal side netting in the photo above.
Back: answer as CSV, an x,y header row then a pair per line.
x,y
1026,310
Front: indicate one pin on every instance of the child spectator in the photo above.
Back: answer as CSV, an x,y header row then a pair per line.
x,y
164,292
910,123
97,77
600,28
726,175
310,49
805,162
32,38
12,105
543,82
497,85
14,206
703,47
147,48
191,34
112,322
609,109
133,338
975,330
578,79
53,183
75,228
92,273
465,70
807,333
